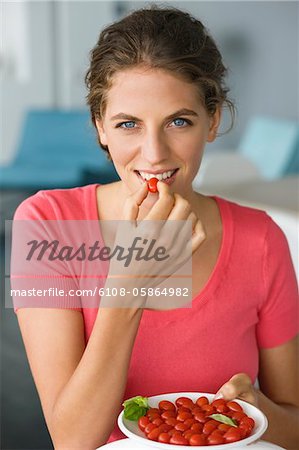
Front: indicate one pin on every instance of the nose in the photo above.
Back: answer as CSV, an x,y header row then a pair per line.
x,y
154,148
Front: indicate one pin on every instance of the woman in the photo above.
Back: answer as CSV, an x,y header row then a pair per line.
x,y
156,92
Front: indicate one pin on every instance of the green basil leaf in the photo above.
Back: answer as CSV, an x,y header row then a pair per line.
x,y
224,419
135,407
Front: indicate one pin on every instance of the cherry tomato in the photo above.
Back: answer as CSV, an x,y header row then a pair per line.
x,y
164,428
198,439
150,427
165,405
184,401
224,427
153,412
222,408
244,430
208,409
202,401
232,435
196,409
154,434
219,401
167,414
154,416
189,422
164,437
172,432
187,434
197,427
182,416
178,439
181,426
248,421
209,427
143,421
215,439
200,417
171,421
183,409
158,421
152,185
238,415
234,406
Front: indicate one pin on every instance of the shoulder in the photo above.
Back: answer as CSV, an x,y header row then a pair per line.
x,y
64,204
253,229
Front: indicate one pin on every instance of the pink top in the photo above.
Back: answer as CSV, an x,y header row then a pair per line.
x,y
249,302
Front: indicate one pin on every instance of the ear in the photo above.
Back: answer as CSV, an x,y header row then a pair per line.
x,y
101,131
214,124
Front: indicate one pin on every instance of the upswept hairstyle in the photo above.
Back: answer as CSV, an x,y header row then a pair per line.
x,y
157,37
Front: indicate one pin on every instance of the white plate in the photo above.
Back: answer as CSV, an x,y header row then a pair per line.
x,y
132,431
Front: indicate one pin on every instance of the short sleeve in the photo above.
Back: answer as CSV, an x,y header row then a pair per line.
x,y
27,278
279,311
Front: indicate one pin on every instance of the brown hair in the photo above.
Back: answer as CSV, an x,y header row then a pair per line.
x,y
158,37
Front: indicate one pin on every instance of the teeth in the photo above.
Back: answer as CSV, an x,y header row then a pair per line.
x,y
159,176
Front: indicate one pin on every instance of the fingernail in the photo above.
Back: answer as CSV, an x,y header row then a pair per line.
x,y
218,395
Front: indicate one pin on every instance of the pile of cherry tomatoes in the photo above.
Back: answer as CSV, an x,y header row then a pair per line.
x,y
189,423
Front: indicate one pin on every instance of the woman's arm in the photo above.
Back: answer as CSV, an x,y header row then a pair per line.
x,y
278,396
81,389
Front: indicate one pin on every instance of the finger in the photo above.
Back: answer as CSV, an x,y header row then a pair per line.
x,y
198,236
133,202
164,204
238,385
181,209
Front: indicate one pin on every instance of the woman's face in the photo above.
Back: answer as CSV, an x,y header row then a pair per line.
x,y
149,134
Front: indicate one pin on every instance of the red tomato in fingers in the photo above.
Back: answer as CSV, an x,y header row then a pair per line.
x,y
165,405
178,439
202,401
143,421
152,185
234,406
198,439
164,437
232,435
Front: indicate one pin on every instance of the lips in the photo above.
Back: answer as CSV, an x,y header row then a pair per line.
x,y
167,176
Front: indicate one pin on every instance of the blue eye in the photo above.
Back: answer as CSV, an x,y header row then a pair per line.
x,y
180,120
125,123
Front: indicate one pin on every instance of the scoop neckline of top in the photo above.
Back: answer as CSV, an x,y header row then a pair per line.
x,y
219,269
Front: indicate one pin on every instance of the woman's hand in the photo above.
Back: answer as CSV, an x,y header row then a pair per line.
x,y
171,226
239,386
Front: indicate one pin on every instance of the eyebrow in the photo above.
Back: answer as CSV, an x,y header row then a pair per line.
x,y
180,112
